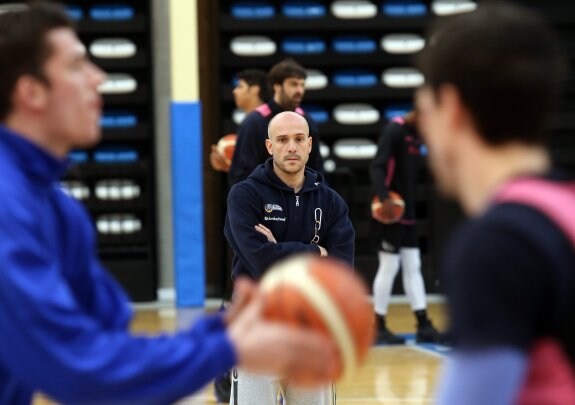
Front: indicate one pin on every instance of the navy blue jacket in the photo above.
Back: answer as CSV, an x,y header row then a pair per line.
x,y
64,321
251,149
510,280
264,199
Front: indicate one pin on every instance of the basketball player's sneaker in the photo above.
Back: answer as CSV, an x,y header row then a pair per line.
x,y
428,334
387,337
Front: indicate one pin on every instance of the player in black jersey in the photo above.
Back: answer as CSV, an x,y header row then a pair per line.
x,y
395,167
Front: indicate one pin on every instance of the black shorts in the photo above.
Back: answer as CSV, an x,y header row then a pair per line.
x,y
391,238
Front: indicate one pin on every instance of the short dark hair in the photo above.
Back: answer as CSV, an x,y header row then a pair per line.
x,y
23,45
506,65
285,69
256,77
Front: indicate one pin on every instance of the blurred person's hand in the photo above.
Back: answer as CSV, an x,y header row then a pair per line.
x,y
264,230
217,161
273,348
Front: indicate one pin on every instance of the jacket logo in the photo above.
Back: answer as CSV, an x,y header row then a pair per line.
x,y
272,207
276,219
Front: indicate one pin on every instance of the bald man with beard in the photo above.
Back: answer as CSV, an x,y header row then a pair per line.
x,y
284,208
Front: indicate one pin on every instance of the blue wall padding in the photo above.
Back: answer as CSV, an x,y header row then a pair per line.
x,y
188,204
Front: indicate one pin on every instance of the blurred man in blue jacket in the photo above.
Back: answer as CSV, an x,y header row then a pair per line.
x,y
63,320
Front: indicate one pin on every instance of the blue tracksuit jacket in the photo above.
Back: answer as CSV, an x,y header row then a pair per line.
x,y
63,319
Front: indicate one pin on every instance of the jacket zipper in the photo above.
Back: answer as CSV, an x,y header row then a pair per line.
x,y
297,200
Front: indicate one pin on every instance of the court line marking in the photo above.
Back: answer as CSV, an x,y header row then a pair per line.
x,y
429,348
428,351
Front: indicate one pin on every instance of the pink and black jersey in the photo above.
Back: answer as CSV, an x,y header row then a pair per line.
x,y
396,164
510,279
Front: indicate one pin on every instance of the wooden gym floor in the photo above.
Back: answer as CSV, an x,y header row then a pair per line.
x,y
401,375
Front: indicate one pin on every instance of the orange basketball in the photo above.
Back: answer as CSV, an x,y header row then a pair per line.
x,y
323,294
389,216
226,146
